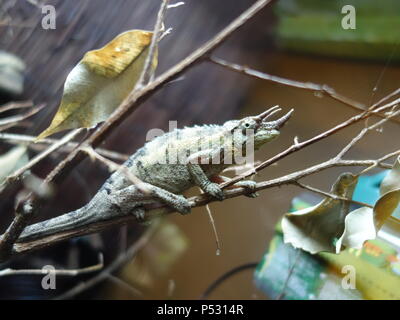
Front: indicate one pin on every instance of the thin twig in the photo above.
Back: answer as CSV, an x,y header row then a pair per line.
x,y
364,131
16,138
386,98
330,195
175,5
147,69
20,117
290,273
16,105
212,221
20,124
324,89
54,147
58,272
379,161
112,166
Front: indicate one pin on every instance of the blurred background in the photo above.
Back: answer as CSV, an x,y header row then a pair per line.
x,y
300,40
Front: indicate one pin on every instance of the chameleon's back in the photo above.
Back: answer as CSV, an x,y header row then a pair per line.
x,y
162,161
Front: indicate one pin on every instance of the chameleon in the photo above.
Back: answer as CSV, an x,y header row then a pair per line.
x,y
165,181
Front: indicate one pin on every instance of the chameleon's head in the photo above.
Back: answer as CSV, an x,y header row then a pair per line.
x,y
263,130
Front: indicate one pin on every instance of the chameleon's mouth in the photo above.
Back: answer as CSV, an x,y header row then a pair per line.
x,y
276,124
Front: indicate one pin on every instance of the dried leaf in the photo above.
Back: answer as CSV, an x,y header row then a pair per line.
x,y
392,179
315,229
318,228
12,160
390,195
385,207
101,81
359,227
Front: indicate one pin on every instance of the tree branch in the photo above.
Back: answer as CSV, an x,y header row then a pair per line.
x,y
157,209
58,272
16,138
54,147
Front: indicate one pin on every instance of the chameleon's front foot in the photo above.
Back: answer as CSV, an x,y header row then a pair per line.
x,y
182,205
214,190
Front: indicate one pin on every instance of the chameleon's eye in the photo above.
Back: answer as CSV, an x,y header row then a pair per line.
x,y
247,125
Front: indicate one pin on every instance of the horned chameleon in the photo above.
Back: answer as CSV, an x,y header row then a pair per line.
x,y
164,181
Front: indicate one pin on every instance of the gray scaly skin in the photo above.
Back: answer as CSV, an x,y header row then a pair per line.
x,y
165,181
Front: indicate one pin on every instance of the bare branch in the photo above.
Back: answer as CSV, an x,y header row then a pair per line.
x,y
16,105
212,221
56,145
157,209
323,89
58,272
112,166
175,5
330,195
20,117
281,295
15,138
364,131
147,69
386,98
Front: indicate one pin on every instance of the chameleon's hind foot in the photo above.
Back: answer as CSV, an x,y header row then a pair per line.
x,y
250,185
139,214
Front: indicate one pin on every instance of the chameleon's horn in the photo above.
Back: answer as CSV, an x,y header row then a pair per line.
x,y
268,113
277,124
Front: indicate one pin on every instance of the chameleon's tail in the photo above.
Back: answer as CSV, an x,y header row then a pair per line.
x,y
61,223
67,221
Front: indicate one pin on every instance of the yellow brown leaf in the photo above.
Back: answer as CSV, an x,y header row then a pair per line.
x,y
98,84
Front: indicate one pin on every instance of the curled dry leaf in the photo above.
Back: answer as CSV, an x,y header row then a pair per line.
x,y
318,228
392,179
363,224
98,84
390,195
359,227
